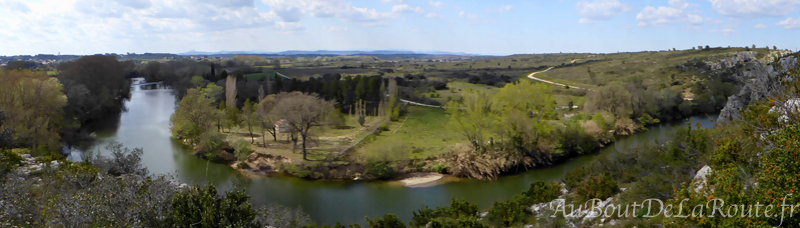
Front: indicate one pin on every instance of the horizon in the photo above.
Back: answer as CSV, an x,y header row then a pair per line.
x,y
483,28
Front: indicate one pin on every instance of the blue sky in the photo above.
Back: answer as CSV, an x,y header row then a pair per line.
x,y
498,27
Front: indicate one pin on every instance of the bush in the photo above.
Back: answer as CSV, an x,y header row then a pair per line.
x,y
201,206
381,169
540,192
387,221
242,149
211,141
597,187
455,215
511,212
440,168
574,177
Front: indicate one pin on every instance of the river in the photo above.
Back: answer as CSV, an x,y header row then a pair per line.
x,y
145,124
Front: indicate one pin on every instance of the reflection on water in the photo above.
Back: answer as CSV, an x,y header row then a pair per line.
x,y
145,124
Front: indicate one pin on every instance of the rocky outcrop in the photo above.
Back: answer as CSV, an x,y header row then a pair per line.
x,y
760,82
264,164
700,180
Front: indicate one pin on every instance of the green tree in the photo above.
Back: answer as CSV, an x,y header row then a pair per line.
x,y
33,105
472,117
267,118
194,116
522,109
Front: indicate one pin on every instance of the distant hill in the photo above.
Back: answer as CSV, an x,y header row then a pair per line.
x,y
328,52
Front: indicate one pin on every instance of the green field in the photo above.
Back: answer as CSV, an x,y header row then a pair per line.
x,y
459,87
422,134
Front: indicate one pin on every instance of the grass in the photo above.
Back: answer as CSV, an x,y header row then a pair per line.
x,y
459,87
423,134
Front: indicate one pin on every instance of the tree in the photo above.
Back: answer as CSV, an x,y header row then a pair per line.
x,y
276,63
613,98
194,115
266,117
248,116
522,109
230,91
33,105
95,86
472,117
302,112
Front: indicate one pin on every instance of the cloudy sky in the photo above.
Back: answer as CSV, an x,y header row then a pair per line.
x,y
497,27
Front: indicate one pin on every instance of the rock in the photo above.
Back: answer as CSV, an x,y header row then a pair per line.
x,y
612,222
25,156
528,226
760,82
484,214
54,164
700,179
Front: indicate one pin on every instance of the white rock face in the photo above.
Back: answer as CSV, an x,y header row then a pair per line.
x,y
700,179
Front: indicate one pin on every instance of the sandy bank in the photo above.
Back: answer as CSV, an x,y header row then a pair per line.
x,y
421,179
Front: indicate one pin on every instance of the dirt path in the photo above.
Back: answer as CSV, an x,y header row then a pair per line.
x,y
531,76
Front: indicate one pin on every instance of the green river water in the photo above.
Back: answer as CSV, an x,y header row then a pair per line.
x,y
145,124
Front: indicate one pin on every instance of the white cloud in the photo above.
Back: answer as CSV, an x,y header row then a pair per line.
x,y
15,6
337,29
790,23
435,4
405,8
434,15
463,14
748,9
294,10
761,26
663,15
725,31
601,10
394,1
91,26
500,9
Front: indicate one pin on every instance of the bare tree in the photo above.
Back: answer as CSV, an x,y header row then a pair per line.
x,y
267,118
302,112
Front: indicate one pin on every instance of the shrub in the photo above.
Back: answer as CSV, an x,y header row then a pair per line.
x,y
574,177
242,149
440,168
381,169
511,212
201,206
211,141
597,187
387,221
540,192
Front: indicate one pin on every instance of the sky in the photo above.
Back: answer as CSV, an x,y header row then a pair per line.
x,y
496,27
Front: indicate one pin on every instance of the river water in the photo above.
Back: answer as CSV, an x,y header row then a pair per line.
x,y
145,124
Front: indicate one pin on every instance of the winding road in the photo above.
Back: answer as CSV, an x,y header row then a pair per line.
x,y
531,76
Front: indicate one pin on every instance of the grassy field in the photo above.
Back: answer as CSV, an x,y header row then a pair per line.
x,y
420,134
653,68
458,87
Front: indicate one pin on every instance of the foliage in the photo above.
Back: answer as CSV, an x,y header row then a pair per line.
x,y
381,169
122,161
95,85
574,140
387,221
211,141
458,211
242,149
472,117
302,112
509,212
597,187
540,192
194,116
33,106
202,206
